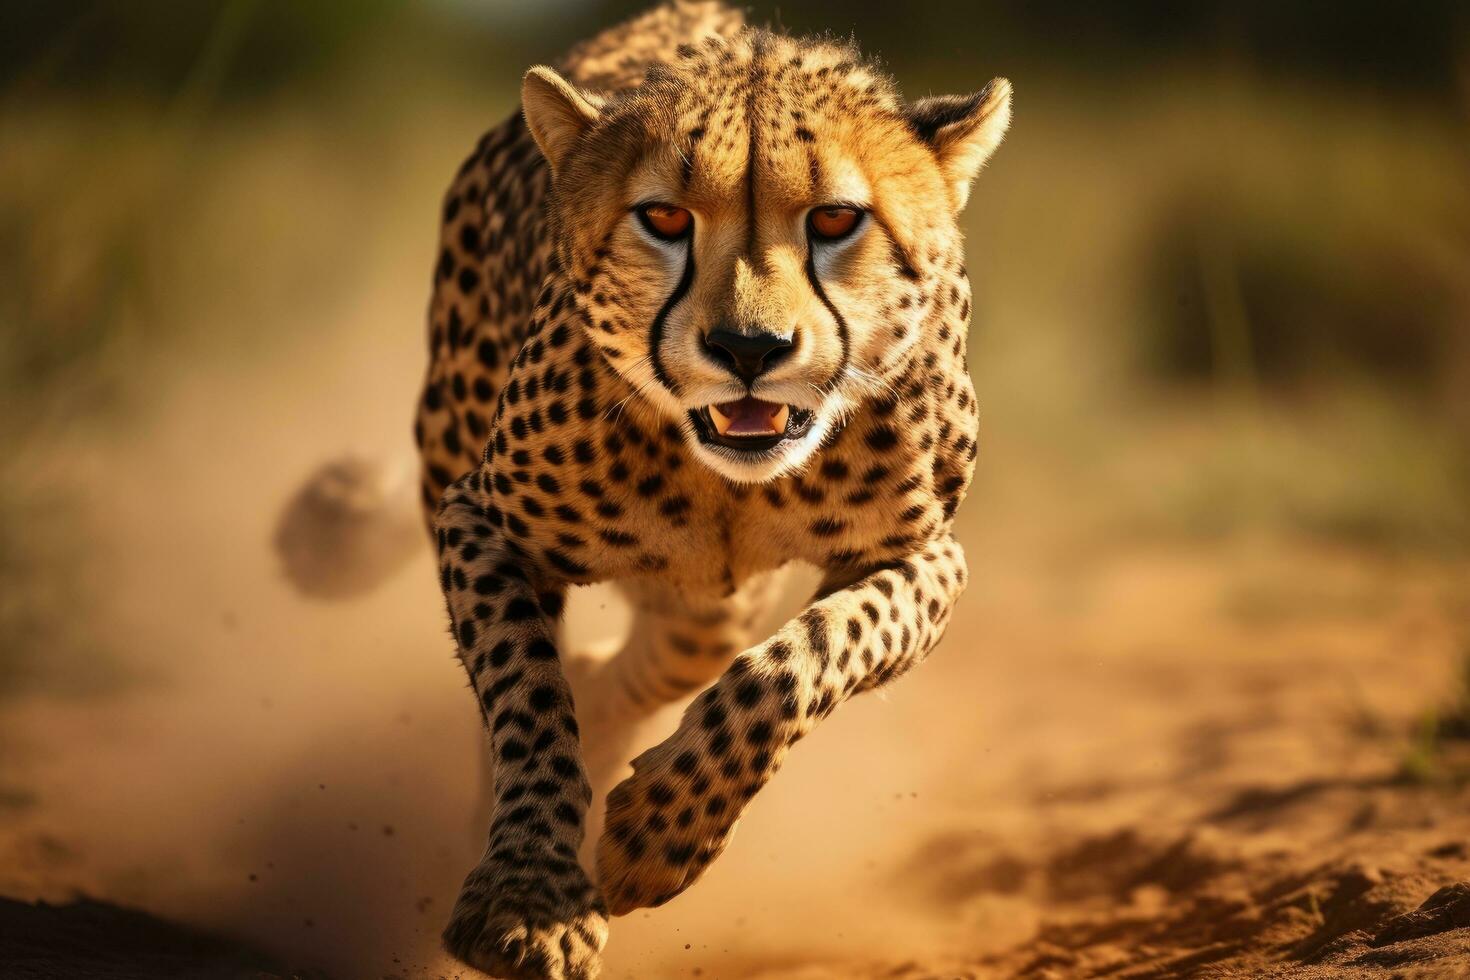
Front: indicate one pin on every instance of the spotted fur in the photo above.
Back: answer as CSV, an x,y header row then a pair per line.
x,y
566,355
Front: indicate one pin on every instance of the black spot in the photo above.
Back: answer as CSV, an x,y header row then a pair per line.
x,y
834,469
469,239
619,539
748,693
882,438
451,439
520,609
500,654
566,563
828,527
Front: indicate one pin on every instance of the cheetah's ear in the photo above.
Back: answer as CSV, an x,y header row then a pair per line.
x,y
556,113
964,130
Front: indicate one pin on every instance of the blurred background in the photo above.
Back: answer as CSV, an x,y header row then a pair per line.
x,y
1221,524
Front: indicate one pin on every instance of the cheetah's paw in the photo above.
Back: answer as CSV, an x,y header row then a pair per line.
x,y
529,919
670,819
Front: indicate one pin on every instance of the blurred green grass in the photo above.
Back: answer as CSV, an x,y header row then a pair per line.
x,y
1438,751
1225,300
1229,309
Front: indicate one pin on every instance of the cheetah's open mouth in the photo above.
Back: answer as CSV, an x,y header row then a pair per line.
x,y
750,424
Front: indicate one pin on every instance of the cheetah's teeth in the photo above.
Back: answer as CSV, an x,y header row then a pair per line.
x,y
749,418
720,419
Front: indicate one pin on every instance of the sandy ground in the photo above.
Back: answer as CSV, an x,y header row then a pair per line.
x,y
1126,760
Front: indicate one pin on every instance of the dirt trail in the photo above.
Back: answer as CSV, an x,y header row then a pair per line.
x,y
1125,762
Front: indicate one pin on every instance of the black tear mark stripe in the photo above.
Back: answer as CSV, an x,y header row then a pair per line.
x,y
816,284
656,331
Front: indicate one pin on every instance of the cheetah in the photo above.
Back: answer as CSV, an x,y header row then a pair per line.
x,y
699,312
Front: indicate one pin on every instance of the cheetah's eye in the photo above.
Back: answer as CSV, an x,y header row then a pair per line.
x,y
832,223
666,221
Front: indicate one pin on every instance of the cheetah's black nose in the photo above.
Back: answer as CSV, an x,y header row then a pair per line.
x,y
747,355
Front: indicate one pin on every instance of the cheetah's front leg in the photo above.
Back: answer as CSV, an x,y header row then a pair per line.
x,y
675,814
527,911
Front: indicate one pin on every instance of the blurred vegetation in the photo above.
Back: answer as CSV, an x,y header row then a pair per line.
x,y
1223,262
1455,722
1439,747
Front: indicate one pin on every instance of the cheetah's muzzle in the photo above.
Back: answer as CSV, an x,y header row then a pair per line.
x,y
750,424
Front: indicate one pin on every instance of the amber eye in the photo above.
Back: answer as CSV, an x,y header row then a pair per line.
x,y
834,222
666,221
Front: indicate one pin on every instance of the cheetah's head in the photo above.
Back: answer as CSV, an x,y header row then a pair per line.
x,y
757,232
